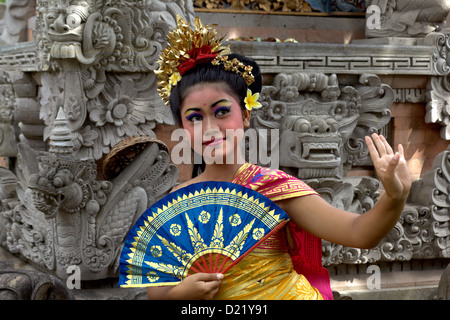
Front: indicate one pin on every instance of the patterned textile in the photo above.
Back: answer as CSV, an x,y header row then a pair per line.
x,y
305,249
267,273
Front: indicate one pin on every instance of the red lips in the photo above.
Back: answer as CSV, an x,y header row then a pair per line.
x,y
213,141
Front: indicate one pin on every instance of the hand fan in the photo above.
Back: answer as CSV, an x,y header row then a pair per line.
x,y
204,227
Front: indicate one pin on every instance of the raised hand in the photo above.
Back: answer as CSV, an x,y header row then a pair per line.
x,y
391,168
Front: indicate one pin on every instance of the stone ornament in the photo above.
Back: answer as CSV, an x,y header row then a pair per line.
x,y
73,218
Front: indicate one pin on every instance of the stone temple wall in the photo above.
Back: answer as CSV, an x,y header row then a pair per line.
x,y
86,140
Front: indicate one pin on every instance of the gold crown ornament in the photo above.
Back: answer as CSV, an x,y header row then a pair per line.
x,y
187,48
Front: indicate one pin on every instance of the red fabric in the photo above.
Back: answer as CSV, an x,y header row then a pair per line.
x,y
196,56
306,255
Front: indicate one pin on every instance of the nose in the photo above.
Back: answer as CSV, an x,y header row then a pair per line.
x,y
323,126
59,25
209,123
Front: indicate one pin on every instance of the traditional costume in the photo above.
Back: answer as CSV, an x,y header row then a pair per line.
x,y
288,265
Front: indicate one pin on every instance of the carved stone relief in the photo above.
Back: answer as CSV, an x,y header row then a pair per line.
x,y
322,125
432,193
94,101
438,88
67,217
407,18
31,285
107,54
88,88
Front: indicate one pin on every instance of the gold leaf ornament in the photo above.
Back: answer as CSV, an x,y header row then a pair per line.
x,y
186,48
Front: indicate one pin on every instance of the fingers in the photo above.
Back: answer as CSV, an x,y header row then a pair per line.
x,y
211,284
372,150
387,147
208,276
378,145
401,151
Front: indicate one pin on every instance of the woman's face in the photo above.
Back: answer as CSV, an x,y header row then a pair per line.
x,y
214,122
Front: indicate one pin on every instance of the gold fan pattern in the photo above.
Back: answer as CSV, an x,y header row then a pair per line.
x,y
207,251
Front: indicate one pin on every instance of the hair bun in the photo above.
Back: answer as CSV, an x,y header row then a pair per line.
x,y
256,86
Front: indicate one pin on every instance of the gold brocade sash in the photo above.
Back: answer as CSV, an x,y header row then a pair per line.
x,y
267,274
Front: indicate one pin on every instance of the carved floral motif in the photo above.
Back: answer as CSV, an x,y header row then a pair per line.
x,y
68,217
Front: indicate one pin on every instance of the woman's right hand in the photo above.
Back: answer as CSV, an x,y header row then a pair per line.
x,y
199,286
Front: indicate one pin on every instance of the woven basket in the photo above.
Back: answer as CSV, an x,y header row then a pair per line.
x,y
124,153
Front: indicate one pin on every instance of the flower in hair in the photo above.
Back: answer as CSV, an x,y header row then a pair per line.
x,y
189,47
251,100
174,78
185,49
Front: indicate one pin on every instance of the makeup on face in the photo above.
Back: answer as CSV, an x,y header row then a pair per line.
x,y
207,114
219,108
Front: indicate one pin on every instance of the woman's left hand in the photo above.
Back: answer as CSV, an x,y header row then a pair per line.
x,y
391,168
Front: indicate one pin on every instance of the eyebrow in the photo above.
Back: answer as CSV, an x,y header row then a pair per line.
x,y
212,105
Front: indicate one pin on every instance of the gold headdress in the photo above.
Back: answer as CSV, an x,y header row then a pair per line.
x,y
188,48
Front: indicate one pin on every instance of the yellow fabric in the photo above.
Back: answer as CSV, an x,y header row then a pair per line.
x,y
267,274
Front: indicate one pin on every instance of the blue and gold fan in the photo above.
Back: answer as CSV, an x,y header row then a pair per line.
x,y
204,227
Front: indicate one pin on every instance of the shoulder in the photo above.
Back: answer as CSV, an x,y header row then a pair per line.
x,y
265,174
184,184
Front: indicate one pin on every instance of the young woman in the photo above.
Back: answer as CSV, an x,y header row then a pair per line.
x,y
209,98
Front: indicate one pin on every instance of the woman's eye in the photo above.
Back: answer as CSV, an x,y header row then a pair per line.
x,y
194,117
222,111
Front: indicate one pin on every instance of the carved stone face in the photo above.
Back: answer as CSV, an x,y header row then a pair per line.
x,y
71,31
65,26
313,135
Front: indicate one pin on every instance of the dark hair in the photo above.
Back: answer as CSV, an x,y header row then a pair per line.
x,y
208,73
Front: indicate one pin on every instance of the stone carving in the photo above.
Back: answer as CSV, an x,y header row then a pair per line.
x,y
432,192
363,58
96,93
31,285
106,52
7,101
408,18
68,217
438,91
438,94
115,35
322,124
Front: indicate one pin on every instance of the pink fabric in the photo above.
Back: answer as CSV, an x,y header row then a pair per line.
x,y
306,256
306,249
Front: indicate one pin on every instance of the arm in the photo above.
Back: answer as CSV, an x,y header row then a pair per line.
x,y
358,230
200,286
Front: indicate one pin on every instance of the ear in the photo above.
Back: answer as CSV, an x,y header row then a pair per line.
x,y
246,115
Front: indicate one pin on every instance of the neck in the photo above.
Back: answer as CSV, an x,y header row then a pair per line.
x,y
220,172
